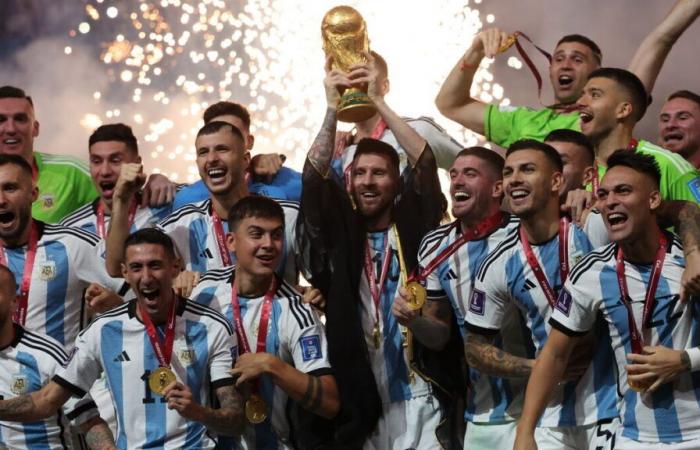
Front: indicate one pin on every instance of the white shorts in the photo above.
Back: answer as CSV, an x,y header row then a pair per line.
x,y
485,436
597,436
407,425
625,443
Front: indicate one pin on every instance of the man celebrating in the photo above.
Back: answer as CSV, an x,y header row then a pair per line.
x,y
527,270
635,283
282,343
112,146
52,264
448,259
200,229
178,351
679,125
28,361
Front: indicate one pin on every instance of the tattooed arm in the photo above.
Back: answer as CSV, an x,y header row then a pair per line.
x,y
97,434
430,325
227,419
485,357
684,216
35,406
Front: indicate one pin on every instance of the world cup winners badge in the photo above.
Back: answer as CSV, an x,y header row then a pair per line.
x,y
19,385
47,271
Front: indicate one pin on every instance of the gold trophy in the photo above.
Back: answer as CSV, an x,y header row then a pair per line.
x,y
344,33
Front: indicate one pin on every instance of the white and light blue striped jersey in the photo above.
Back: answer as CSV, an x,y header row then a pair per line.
x,y
117,344
85,217
505,278
295,335
491,399
67,261
192,229
26,365
672,412
389,362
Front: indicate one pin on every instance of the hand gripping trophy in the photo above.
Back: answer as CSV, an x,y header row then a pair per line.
x,y
344,33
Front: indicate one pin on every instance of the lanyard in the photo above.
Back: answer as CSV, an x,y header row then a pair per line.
x,y
484,228
20,314
376,291
264,318
636,338
163,350
563,259
220,238
101,218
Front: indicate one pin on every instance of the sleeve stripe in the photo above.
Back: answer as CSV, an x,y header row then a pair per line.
x,y
436,235
40,342
57,230
228,381
78,215
564,329
201,310
75,390
510,241
217,274
197,208
118,311
303,322
587,262
480,330
81,409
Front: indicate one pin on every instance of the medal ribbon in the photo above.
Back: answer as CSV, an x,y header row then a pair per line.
x,y
221,238
376,291
484,228
636,338
264,318
377,132
163,350
101,232
563,259
20,314
528,61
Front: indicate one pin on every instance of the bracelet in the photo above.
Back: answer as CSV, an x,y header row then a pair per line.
x,y
694,357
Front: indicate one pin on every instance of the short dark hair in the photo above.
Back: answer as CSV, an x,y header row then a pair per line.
x,y
630,83
381,64
224,108
150,236
216,126
18,161
531,144
12,284
640,162
688,95
490,157
15,92
581,39
115,132
377,147
573,137
256,206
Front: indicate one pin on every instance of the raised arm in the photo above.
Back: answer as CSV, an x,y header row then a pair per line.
x,y
454,100
485,357
35,406
130,181
651,54
548,371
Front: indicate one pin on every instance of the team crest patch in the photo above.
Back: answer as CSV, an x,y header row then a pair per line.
x,y
477,302
694,186
20,384
186,355
47,271
311,347
563,304
47,201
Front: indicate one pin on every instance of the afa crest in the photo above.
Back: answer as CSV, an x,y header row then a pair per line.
x,y
47,271
186,355
19,385
47,201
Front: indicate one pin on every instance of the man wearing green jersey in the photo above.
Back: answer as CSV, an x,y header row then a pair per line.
x,y
64,181
574,57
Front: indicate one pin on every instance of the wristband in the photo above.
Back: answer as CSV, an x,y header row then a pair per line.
x,y
694,357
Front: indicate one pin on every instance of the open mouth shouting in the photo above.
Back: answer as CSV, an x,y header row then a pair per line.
x,y
586,116
565,81
8,220
672,138
616,220
216,175
107,188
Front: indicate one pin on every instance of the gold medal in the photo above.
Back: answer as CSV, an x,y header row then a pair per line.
x,y
376,336
160,379
639,386
510,40
418,294
255,409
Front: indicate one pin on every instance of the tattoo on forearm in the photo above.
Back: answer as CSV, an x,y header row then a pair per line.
x,y
17,408
99,437
321,151
313,396
228,419
688,226
485,357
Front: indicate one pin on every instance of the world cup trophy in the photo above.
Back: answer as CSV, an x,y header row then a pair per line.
x,y
344,33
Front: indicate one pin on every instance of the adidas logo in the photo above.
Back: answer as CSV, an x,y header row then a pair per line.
x,y
528,285
206,254
450,275
122,357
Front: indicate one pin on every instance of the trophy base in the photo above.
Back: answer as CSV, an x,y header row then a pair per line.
x,y
355,106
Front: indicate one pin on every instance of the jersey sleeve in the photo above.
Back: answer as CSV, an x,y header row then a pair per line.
x,y
83,366
444,147
489,299
223,353
595,229
307,345
501,123
575,311
80,410
685,186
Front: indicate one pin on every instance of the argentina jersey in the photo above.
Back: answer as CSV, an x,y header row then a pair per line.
x,y
295,335
117,344
85,217
506,278
192,230
389,360
672,412
28,363
491,399
67,260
